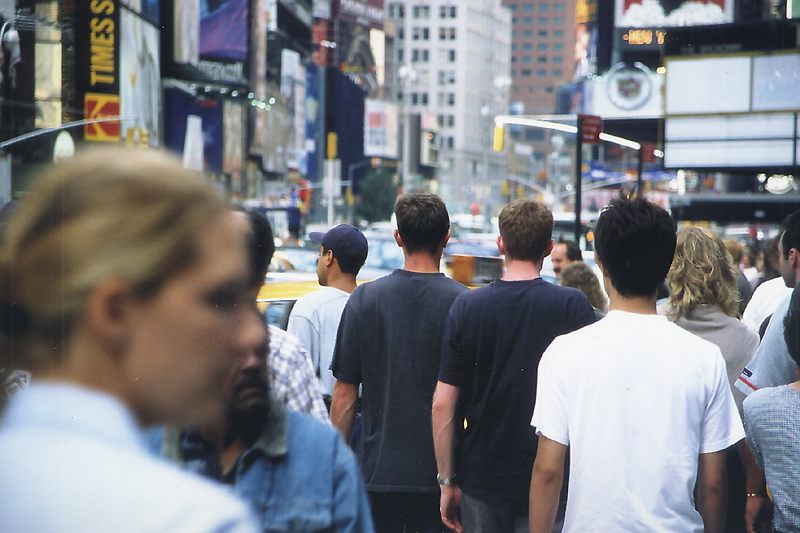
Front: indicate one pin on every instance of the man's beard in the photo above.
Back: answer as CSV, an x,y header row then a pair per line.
x,y
247,419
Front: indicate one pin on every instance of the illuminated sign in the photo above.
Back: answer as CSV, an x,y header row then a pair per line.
x,y
638,37
102,39
100,106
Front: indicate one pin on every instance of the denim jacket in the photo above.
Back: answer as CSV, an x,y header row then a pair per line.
x,y
299,476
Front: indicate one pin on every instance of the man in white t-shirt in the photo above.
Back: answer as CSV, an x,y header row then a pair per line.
x,y
315,317
643,405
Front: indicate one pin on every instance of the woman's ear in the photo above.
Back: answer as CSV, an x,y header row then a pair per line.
x,y
108,314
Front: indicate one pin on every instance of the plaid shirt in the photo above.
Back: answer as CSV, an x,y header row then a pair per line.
x,y
291,375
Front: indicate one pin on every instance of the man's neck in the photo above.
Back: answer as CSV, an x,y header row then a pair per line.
x,y
520,270
343,282
422,262
642,305
231,442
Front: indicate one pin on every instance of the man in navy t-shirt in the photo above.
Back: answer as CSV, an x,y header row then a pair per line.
x,y
494,337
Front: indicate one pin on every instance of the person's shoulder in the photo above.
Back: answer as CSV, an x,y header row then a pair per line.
x,y
762,398
283,344
307,427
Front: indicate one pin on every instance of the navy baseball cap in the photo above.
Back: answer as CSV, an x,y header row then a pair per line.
x,y
348,244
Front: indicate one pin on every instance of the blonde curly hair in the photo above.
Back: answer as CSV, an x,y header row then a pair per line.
x,y
702,272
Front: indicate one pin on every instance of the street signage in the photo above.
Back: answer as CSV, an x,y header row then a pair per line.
x,y
590,127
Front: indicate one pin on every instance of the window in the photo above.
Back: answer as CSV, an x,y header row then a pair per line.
x,y
548,90
542,33
512,7
513,72
513,59
558,7
451,56
543,21
558,46
541,59
449,143
558,33
401,33
420,34
526,72
400,55
528,7
447,12
421,12
527,20
527,33
543,8
558,59
452,12
391,10
414,99
447,34
527,59
420,56
558,73
541,73
451,98
541,46
423,98
558,20
527,46
447,77
514,46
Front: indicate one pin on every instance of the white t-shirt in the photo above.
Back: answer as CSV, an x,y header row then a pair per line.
x,y
636,398
315,321
766,298
74,460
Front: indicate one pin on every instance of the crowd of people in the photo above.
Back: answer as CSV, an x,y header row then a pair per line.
x,y
146,391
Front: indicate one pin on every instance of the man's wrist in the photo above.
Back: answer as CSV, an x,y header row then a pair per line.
x,y
446,481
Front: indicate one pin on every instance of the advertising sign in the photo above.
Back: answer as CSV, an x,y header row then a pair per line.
x,y
651,13
140,79
626,91
97,64
380,129
182,109
223,39
146,8
364,12
590,126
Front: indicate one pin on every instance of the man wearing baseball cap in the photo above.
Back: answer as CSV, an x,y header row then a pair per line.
x,y
315,317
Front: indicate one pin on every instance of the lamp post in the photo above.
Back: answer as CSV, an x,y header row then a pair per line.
x,y
408,77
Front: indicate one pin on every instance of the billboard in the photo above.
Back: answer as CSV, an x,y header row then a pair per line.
x,y
140,79
97,66
380,129
625,91
733,111
182,111
147,8
364,12
652,13
209,39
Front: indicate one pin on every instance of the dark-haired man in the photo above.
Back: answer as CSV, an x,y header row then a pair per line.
x,y
315,318
564,254
389,341
644,406
493,340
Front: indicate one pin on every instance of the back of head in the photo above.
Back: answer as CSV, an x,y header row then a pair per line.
x,y
580,276
260,246
526,227
133,216
791,326
791,233
422,221
735,249
702,272
573,250
635,242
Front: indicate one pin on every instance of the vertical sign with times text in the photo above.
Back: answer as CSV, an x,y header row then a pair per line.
x,y
97,66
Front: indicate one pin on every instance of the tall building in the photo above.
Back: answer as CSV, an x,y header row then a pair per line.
x,y
542,52
453,59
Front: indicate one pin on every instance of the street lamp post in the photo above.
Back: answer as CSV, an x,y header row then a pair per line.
x,y
408,77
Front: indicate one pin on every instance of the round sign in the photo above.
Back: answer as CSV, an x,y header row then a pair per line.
x,y
629,87
64,146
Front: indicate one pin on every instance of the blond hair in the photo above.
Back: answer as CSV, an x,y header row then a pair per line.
x,y
580,276
702,272
135,216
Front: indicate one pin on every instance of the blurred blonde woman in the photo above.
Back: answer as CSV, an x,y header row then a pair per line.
x,y
704,298
581,276
122,288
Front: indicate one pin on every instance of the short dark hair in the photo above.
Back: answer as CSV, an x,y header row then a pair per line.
x,y
635,241
526,227
422,221
260,245
573,250
791,326
791,233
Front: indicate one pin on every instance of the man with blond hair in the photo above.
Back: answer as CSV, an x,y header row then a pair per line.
x,y
494,337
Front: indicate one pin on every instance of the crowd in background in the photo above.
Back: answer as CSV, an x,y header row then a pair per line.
x,y
145,391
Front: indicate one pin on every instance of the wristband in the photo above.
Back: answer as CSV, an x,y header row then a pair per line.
x,y
446,480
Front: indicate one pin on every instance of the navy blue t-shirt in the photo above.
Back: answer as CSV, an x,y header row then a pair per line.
x,y
390,340
494,338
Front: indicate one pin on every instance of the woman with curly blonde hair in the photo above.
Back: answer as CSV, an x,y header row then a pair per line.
x,y
704,298
580,276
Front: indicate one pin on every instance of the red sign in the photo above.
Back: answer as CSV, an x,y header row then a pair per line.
x,y
590,127
98,105
648,153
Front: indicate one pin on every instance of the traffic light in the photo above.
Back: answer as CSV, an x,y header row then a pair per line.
x,y
497,140
429,149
